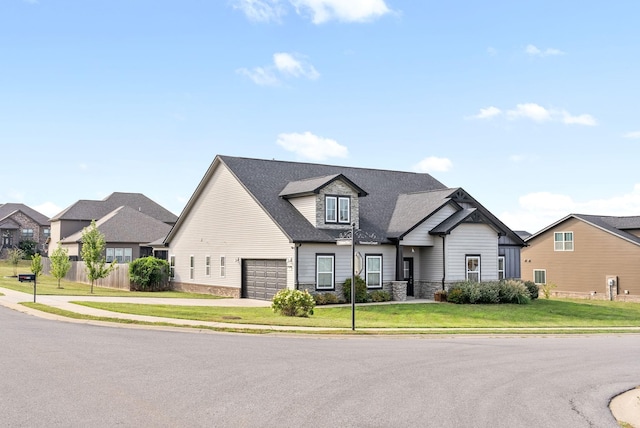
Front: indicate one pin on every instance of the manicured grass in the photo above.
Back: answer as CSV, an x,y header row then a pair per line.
x,y
48,285
540,313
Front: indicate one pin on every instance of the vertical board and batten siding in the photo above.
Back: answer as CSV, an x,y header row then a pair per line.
x,y
306,205
596,255
420,235
307,260
472,239
226,221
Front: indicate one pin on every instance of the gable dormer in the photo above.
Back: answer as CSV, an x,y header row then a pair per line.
x,y
328,202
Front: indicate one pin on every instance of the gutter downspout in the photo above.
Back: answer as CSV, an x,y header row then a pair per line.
x,y
295,267
444,264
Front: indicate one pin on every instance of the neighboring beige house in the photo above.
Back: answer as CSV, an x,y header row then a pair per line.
x,y
255,226
20,223
131,222
586,256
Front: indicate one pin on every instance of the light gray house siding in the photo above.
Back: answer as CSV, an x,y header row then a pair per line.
x,y
251,234
472,239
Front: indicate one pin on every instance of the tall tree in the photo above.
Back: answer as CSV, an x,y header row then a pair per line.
x,y
36,264
60,263
93,244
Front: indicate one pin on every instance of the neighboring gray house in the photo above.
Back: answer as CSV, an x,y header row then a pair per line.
x,y
20,223
255,226
129,221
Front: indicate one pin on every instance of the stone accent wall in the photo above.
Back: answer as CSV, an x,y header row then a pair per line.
x,y
426,289
338,188
207,289
26,222
398,291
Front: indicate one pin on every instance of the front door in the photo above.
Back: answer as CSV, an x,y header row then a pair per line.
x,y
407,269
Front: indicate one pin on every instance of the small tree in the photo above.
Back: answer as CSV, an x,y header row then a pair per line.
x,y
93,244
15,255
36,265
60,263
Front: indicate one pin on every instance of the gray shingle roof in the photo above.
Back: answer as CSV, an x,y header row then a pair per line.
x,y
266,179
313,185
94,210
9,208
127,225
413,208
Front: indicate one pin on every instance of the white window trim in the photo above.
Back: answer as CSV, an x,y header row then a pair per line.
x,y
466,267
545,276
333,271
223,266
172,266
368,271
339,205
504,267
327,211
192,267
207,266
564,242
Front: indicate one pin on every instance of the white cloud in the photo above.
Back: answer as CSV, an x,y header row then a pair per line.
x,y
284,65
538,113
583,119
342,10
290,65
541,209
632,135
261,10
532,50
487,113
433,164
312,147
263,76
48,208
531,111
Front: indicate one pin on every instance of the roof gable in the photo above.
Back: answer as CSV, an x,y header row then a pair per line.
x,y
94,210
312,186
124,224
8,209
414,208
606,223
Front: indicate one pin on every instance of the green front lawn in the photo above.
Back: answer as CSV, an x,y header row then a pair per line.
x,y
48,285
540,313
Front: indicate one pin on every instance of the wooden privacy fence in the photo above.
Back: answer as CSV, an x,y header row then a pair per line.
x,y
119,278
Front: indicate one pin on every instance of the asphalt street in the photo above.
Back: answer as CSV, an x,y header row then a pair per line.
x,y
63,374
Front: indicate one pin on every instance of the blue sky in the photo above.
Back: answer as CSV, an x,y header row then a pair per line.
x,y
532,107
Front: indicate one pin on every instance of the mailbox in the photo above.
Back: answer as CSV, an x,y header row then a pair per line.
x,y
29,277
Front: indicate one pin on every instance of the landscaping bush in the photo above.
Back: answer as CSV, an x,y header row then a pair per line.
x,y
547,289
533,288
512,291
379,296
489,292
361,290
149,274
293,303
326,298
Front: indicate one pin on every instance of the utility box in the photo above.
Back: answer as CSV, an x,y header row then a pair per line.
x,y
612,286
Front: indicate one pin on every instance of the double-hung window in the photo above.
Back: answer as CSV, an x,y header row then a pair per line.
x,y
563,241
172,266
473,268
192,267
373,271
27,233
223,266
325,271
207,265
337,209
540,276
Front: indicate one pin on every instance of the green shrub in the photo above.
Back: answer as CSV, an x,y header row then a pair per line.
x,y
326,298
379,296
533,288
456,295
293,303
512,291
489,292
361,290
149,274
